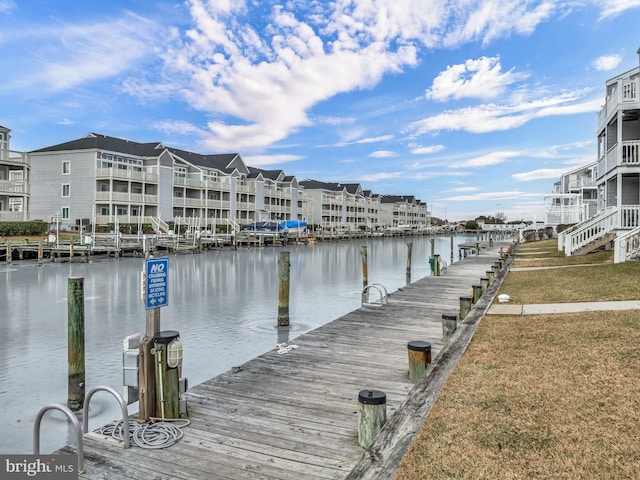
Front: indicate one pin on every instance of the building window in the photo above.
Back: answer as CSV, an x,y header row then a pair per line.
x,y
121,210
66,167
65,213
65,189
104,210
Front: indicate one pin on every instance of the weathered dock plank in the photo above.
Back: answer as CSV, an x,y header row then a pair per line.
x,y
294,415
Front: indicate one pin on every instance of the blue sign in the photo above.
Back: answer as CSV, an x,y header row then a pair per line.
x,y
157,283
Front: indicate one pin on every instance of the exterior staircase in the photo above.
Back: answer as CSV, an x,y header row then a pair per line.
x,y
606,241
159,226
584,237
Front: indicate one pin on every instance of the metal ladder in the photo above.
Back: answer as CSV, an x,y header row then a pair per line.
x,y
85,422
384,295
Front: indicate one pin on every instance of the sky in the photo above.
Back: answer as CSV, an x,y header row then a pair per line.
x,y
474,107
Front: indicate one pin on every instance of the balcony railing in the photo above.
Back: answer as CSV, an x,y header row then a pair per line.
x,y
8,187
6,216
126,197
631,152
126,174
626,90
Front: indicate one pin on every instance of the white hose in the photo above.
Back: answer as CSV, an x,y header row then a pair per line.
x,y
153,434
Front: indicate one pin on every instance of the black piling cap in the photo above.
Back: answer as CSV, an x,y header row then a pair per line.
x,y
419,346
466,298
165,336
372,397
449,316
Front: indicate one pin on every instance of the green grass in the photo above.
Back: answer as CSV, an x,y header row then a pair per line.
x,y
546,396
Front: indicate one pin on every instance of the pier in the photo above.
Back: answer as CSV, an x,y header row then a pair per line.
x,y
293,415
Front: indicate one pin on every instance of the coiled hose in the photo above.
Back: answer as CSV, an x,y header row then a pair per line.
x,y
152,434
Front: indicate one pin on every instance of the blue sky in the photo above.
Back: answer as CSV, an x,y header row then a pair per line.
x,y
474,107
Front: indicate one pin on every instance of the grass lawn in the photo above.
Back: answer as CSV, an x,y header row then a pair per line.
x,y
543,397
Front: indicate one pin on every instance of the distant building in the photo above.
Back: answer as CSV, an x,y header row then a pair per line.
x,y
574,197
107,180
14,181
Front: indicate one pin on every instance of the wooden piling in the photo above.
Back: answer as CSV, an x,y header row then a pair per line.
x,y
146,364
365,274
8,251
490,275
75,344
409,249
451,247
477,293
372,415
484,284
40,253
436,264
465,306
284,268
419,359
449,325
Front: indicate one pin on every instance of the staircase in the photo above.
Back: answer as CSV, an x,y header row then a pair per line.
x,y
159,226
605,241
589,233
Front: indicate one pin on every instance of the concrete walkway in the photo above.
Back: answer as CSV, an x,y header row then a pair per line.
x,y
550,308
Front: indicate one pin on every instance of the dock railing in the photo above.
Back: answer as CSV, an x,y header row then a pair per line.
x,y
627,246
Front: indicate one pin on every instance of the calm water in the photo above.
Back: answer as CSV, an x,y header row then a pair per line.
x,y
223,303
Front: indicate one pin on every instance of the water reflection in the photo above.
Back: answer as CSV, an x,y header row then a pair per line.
x,y
223,303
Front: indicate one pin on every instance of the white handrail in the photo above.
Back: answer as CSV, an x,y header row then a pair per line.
x,y
594,228
626,246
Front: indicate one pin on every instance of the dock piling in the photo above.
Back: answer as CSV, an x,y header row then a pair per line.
x,y
409,249
75,343
284,268
419,359
146,375
372,415
465,306
365,275
449,325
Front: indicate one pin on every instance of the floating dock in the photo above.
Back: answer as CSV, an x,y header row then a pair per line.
x,y
294,415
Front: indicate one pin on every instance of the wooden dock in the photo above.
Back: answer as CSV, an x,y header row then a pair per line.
x,y
294,415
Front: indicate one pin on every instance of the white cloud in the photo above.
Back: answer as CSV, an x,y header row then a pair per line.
x,y
481,78
57,57
383,154
493,158
383,138
607,62
465,189
376,177
508,195
427,150
7,5
540,174
262,160
177,126
260,79
613,8
492,117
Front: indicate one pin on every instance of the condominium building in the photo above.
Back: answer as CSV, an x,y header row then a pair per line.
x,y
106,180
574,197
618,172
14,181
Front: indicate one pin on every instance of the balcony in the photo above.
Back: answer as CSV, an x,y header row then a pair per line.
x,y
627,155
126,197
187,202
126,175
624,92
8,187
10,157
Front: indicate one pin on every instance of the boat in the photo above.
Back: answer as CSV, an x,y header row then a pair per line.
x,y
294,227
